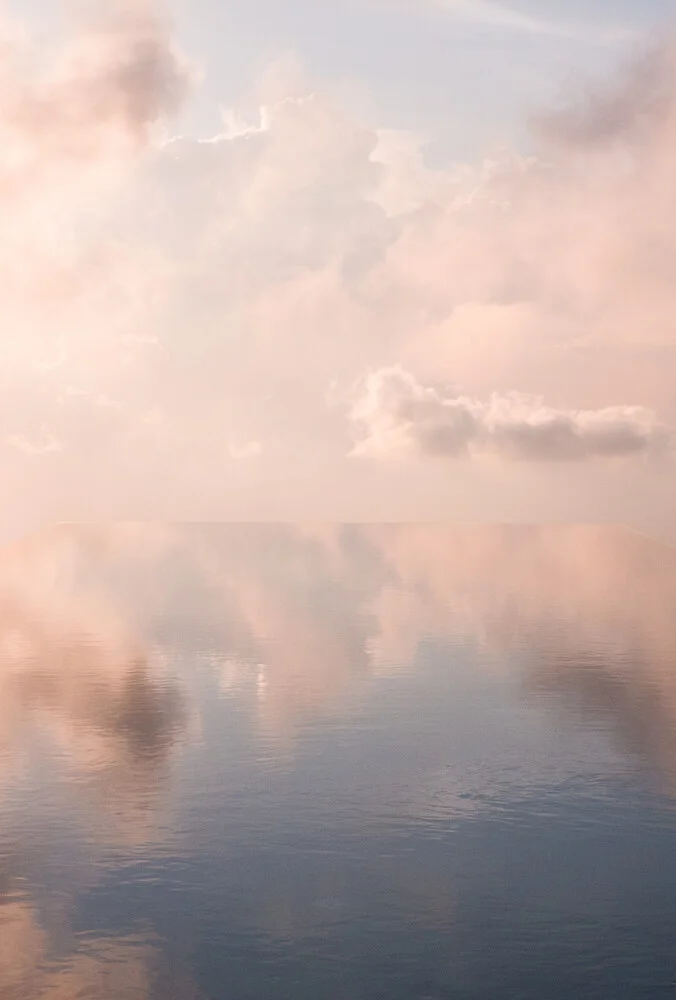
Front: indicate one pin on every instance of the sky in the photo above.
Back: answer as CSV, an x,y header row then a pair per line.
x,y
375,260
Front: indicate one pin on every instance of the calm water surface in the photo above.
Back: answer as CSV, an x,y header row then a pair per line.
x,y
407,763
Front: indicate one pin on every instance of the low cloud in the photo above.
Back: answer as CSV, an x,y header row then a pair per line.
x,y
394,415
169,307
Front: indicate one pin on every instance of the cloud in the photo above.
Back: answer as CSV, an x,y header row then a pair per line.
x,y
393,414
499,15
633,109
117,78
492,14
44,445
168,305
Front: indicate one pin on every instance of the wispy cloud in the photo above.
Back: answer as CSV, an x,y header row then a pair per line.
x,y
498,15
46,444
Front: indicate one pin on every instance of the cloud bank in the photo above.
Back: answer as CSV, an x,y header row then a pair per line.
x,y
172,305
395,415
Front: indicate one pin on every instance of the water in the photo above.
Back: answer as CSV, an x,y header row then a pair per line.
x,y
408,763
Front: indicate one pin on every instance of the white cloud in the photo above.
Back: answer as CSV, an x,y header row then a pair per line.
x,y
394,415
202,295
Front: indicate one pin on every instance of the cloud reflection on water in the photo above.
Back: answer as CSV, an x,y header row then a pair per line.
x,y
101,629
298,615
74,664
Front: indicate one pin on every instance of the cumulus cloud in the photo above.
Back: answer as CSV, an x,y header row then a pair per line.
x,y
119,75
393,414
637,106
169,308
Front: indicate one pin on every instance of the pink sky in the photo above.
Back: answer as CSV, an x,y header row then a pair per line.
x,y
300,317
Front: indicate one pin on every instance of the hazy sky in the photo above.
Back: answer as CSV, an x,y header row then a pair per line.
x,y
462,72
370,259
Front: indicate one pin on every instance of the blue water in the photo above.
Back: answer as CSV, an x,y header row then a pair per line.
x,y
398,762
